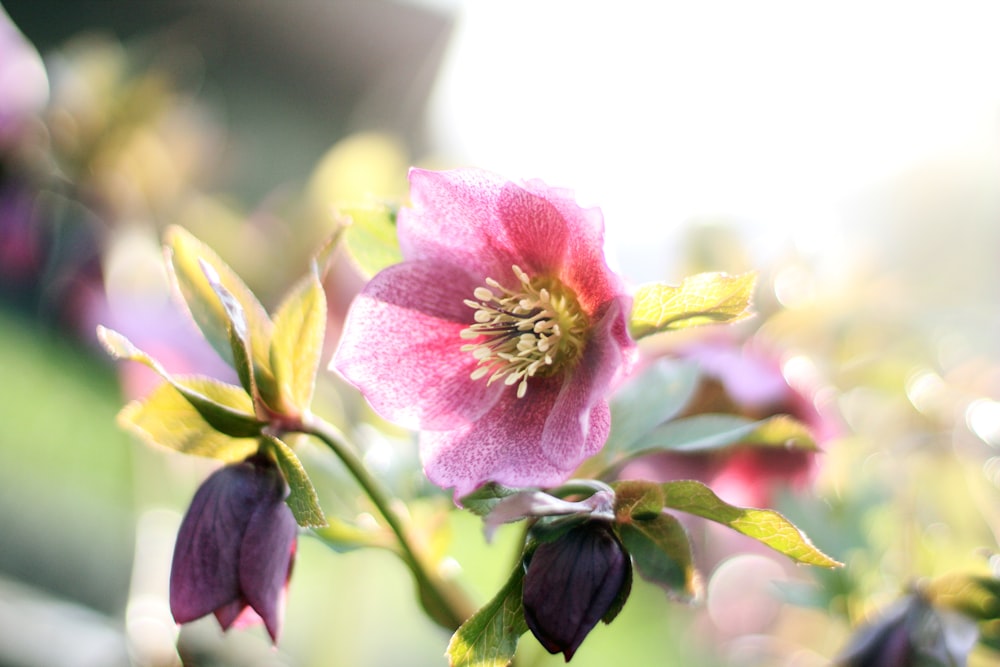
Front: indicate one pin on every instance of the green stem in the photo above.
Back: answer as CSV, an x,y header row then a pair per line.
x,y
442,599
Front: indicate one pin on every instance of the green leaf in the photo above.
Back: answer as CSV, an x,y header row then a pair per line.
x,y
302,498
342,536
167,418
648,399
662,554
705,298
489,638
765,526
705,432
370,239
297,343
976,596
637,500
236,328
185,255
223,407
482,501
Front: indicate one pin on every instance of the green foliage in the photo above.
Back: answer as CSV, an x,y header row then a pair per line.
x,y
716,431
765,526
187,258
974,595
302,498
661,551
167,418
489,638
297,344
705,298
222,407
370,238
652,397
482,501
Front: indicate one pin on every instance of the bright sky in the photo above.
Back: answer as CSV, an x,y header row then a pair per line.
x,y
772,113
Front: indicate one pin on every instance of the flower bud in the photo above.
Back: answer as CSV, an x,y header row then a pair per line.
x,y
913,632
235,548
572,582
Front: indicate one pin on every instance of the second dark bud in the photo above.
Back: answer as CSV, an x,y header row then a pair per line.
x,y
572,582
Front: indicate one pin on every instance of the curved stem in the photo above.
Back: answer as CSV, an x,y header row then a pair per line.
x,y
442,599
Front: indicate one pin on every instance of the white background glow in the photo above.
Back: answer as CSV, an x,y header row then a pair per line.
x,y
771,113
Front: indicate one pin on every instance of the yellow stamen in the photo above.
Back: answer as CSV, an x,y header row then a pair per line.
x,y
536,329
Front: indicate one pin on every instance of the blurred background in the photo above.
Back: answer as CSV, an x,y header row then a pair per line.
x,y
848,153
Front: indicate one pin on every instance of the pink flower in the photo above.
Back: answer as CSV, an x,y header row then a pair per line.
x,y
499,335
235,549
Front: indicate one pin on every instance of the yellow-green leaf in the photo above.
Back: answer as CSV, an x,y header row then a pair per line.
x,y
186,255
705,298
489,638
224,407
167,418
765,526
370,238
302,498
297,343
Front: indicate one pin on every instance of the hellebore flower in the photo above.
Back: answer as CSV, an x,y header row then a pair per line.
x,y
499,335
573,582
235,549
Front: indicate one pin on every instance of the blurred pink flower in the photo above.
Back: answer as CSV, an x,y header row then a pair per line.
x,y
746,380
24,85
499,335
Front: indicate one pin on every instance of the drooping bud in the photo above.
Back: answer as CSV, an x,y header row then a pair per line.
x,y
235,548
574,581
913,632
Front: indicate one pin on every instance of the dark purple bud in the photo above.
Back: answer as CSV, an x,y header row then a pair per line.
x,y
912,633
573,582
235,548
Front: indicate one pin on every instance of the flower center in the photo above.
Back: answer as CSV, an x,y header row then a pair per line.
x,y
536,329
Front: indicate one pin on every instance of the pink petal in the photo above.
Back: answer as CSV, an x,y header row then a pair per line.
x,y
502,446
401,346
584,267
237,614
533,229
454,219
568,435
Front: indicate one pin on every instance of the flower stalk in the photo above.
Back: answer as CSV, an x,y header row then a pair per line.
x,y
443,600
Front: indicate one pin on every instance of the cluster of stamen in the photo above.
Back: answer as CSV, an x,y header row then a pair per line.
x,y
534,330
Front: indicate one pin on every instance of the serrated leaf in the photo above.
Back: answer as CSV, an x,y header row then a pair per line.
x,y
185,255
661,552
637,499
706,432
224,407
489,638
650,398
167,418
297,343
302,498
371,239
765,526
705,298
